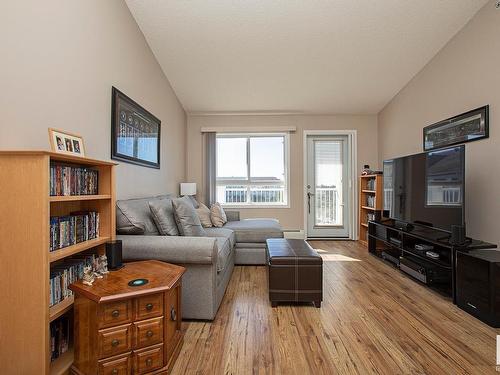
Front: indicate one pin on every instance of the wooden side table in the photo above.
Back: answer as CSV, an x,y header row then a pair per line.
x,y
124,328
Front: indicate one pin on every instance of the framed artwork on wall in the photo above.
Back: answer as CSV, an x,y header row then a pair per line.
x,y
66,143
467,127
135,132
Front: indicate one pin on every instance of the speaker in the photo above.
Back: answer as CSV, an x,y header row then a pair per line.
x,y
478,284
114,255
457,235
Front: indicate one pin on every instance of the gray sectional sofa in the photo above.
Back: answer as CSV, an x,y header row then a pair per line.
x,y
209,260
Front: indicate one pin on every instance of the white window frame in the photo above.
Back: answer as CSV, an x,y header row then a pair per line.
x,y
248,183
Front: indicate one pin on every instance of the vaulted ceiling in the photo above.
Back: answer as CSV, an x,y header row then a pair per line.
x,y
295,56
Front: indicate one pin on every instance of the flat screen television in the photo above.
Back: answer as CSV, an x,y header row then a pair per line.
x,y
426,189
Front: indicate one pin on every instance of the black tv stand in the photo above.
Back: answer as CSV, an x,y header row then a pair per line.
x,y
403,248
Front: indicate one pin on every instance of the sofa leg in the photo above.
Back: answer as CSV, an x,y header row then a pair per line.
x,y
317,304
274,303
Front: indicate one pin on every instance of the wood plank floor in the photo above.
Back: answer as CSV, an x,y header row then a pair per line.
x,y
374,320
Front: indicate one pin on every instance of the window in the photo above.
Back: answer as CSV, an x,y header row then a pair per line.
x,y
252,169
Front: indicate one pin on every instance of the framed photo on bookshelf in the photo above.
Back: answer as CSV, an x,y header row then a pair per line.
x,y
466,127
135,132
66,143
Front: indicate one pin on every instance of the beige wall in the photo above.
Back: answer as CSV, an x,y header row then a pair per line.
x,y
462,76
59,61
290,218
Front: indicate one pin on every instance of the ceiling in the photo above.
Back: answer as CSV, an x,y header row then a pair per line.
x,y
295,56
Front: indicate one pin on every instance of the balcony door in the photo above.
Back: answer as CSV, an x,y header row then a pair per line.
x,y
327,186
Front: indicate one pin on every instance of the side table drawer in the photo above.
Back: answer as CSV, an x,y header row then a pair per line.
x,y
149,306
148,332
113,341
148,359
115,313
119,365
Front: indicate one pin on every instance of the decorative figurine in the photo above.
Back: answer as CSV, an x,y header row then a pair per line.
x,y
366,170
103,265
88,276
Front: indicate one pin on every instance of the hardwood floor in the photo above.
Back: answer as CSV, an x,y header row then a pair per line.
x,y
373,320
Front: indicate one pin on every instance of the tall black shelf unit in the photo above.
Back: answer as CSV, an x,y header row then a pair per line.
x,y
394,243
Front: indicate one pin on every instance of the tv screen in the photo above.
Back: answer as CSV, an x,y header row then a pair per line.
x,y
426,188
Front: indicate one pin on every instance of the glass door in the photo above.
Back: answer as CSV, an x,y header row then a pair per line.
x,y
327,189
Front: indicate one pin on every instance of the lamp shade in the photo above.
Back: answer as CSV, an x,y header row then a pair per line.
x,y
188,188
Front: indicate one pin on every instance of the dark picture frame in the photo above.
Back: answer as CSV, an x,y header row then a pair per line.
x,y
135,132
466,127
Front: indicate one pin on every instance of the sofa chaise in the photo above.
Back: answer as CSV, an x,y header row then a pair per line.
x,y
209,260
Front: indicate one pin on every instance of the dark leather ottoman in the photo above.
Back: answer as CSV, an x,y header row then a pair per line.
x,y
295,272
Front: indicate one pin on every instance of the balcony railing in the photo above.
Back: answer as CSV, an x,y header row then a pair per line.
x,y
327,206
257,194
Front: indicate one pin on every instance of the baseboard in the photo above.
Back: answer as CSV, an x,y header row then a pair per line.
x,y
294,234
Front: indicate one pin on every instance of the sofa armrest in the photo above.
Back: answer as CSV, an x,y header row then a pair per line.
x,y
232,215
172,249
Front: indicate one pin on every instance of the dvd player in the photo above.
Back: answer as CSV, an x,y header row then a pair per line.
x,y
423,271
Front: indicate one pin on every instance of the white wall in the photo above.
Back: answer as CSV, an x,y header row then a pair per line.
x,y
59,60
464,75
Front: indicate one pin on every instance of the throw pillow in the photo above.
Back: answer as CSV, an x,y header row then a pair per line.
x,y
187,220
204,216
133,216
163,216
217,215
195,203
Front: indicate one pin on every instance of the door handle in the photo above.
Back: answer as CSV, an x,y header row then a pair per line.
x,y
309,201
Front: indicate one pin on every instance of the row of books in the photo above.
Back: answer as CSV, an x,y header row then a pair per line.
x,y
66,180
370,184
370,201
69,230
63,274
59,337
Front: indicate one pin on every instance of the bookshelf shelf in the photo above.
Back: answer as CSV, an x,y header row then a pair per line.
x,y
61,308
369,208
369,191
75,249
25,177
364,225
62,364
73,198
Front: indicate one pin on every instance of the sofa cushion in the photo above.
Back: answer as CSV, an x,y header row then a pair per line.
x,y
163,216
203,213
223,252
255,230
186,218
222,232
133,216
217,215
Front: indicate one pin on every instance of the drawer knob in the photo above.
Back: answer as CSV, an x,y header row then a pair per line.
x,y
115,313
115,342
149,362
149,333
114,372
173,314
149,306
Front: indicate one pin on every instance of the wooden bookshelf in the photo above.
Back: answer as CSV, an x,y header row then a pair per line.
x,y
369,186
25,214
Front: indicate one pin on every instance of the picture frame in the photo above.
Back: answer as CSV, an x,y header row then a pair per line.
x,y
64,142
466,127
135,132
